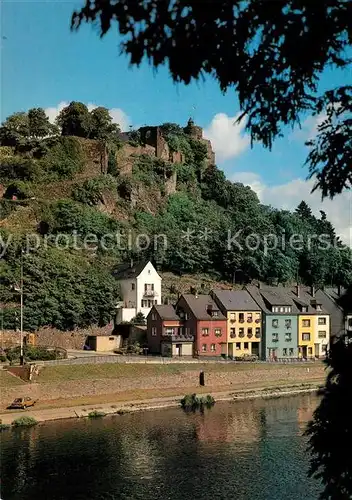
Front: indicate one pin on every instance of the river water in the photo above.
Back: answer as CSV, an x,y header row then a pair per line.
x,y
241,450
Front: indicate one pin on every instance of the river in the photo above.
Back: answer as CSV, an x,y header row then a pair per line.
x,y
243,450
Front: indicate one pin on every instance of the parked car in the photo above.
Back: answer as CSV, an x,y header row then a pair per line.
x,y
21,403
247,357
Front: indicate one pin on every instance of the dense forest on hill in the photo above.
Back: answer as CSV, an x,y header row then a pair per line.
x,y
84,219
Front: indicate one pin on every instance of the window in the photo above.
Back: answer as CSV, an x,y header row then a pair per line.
x,y
154,331
305,322
144,303
304,309
310,350
169,331
149,272
282,309
288,309
215,313
241,332
153,316
212,347
111,338
275,337
249,317
204,347
288,323
155,302
233,316
275,323
275,309
245,345
150,303
291,351
306,336
249,333
322,335
321,321
257,318
241,317
232,333
205,332
186,316
319,307
284,352
257,333
238,346
133,286
288,337
148,286
187,330
217,332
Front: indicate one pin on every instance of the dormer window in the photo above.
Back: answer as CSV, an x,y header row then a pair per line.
x,y
319,307
304,309
215,313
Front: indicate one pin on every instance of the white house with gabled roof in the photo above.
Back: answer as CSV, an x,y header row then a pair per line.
x,y
140,286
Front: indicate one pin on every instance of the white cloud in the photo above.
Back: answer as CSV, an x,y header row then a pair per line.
x,y
227,136
117,114
309,128
288,196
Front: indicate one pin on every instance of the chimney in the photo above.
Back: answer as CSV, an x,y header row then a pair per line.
x,y
298,291
312,291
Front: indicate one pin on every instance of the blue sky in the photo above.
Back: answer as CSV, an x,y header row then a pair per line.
x,y
44,64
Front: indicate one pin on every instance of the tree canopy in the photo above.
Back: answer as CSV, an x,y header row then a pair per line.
x,y
271,52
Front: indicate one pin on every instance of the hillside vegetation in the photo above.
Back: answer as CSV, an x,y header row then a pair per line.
x,y
65,187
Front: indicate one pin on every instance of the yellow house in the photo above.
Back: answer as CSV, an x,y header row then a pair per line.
x,y
313,323
244,322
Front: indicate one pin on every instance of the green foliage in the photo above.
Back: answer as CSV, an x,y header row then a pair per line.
x,y
24,422
75,120
33,353
65,159
192,402
139,319
91,191
331,427
39,125
101,126
62,289
22,190
96,414
4,427
14,130
69,216
6,208
151,171
20,168
134,138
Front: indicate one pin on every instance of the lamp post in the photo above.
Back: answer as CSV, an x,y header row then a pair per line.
x,y
21,327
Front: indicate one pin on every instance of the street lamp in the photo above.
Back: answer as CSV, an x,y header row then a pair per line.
x,y
20,290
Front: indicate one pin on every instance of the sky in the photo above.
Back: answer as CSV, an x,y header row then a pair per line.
x,y
45,65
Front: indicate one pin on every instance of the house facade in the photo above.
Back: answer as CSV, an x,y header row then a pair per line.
x,y
203,319
244,322
166,334
279,322
313,323
140,286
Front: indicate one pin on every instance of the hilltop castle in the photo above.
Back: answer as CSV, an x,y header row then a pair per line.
x,y
153,137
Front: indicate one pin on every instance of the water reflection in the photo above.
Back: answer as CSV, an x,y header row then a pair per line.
x,y
247,450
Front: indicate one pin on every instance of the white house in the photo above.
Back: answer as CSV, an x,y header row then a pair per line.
x,y
140,289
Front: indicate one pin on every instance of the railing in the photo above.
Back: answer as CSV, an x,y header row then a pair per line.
x,y
150,293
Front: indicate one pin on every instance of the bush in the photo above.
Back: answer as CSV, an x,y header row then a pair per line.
x,y
90,192
24,422
191,402
4,427
32,353
20,168
64,159
96,414
22,190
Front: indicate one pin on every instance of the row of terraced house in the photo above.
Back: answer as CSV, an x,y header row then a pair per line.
x,y
267,322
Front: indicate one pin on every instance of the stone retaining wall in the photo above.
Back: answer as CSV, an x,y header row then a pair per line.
x,y
239,379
